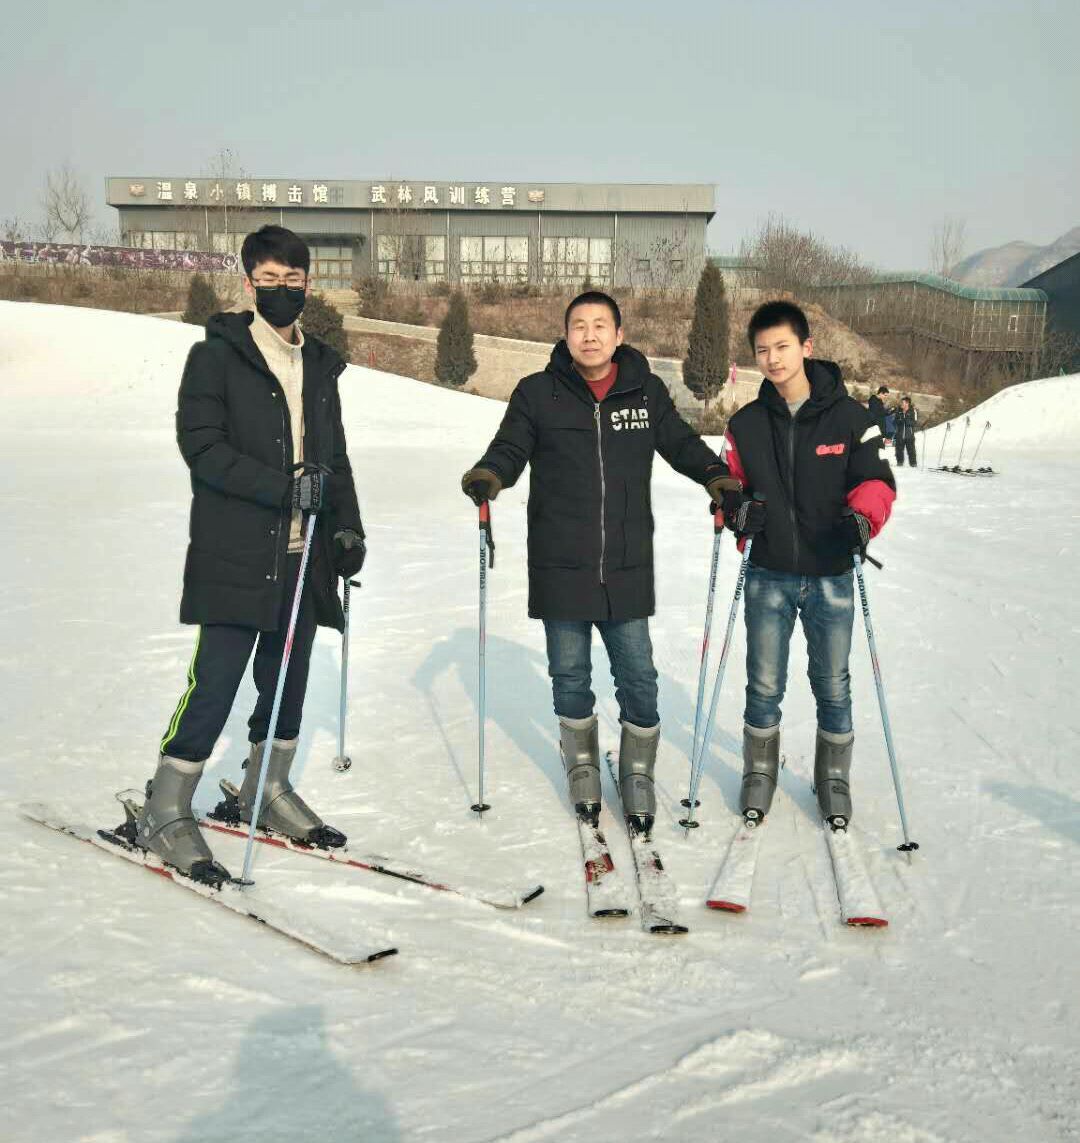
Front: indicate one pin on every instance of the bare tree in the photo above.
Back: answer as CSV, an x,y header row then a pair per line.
x,y
947,245
791,260
67,205
48,228
13,229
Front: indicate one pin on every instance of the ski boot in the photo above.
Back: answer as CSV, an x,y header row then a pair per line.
x,y
579,744
282,811
761,765
166,826
832,772
637,760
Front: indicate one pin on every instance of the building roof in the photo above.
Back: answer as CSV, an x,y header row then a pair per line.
x,y
936,282
400,194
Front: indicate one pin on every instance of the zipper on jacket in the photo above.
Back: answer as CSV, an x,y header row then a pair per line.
x,y
281,511
791,471
603,490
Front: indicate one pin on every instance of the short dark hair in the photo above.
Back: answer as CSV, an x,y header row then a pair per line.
x,y
904,398
593,298
772,314
275,244
883,388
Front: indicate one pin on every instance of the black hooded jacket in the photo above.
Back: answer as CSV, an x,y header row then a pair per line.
x,y
234,432
590,508
809,468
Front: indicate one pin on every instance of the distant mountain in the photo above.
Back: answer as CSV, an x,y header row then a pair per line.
x,y
1016,262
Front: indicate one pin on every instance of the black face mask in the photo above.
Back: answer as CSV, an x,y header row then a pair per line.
x,y
280,305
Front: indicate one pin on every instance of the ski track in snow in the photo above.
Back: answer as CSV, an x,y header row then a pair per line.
x,y
135,1014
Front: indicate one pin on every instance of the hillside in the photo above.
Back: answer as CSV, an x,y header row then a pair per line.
x,y
1015,263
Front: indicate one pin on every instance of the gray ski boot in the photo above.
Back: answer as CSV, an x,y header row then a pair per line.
x,y
832,775
166,826
637,760
282,809
761,765
579,744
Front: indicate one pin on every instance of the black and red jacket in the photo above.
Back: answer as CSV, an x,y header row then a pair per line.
x,y
809,468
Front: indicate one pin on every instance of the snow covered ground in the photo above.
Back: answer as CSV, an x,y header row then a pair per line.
x,y
135,1013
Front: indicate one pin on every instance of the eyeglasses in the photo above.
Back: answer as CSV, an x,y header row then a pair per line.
x,y
293,281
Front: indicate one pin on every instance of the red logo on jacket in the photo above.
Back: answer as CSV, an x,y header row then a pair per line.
x,y
830,450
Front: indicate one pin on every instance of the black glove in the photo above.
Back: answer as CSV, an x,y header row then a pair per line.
x,y
717,486
854,531
306,493
480,484
744,515
350,552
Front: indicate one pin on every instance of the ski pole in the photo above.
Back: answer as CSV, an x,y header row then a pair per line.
x,y
979,445
697,762
963,441
908,845
703,669
944,438
487,559
245,878
342,762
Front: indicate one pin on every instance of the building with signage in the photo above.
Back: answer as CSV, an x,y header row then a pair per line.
x,y
623,234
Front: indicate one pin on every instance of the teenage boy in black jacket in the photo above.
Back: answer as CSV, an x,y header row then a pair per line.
x,y
257,399
589,426
812,452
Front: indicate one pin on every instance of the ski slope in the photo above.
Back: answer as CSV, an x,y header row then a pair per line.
x,y
1040,415
134,1013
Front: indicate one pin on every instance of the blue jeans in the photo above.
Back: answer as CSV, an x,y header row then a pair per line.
x,y
826,604
629,648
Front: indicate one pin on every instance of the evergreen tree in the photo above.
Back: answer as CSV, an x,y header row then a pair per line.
x,y
323,320
202,301
705,368
455,361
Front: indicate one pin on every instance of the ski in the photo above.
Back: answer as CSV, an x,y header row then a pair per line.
x,y
224,820
604,888
244,903
859,904
734,881
658,894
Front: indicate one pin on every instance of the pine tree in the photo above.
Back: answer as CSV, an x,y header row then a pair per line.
x,y
322,319
455,361
202,301
705,368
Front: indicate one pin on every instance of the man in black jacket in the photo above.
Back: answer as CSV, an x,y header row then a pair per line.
x,y
259,424
589,425
907,423
878,412
811,453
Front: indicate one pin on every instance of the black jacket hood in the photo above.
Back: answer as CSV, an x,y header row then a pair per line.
x,y
235,330
826,388
633,368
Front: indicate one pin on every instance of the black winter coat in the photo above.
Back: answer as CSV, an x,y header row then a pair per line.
x,y
805,466
906,424
878,412
234,432
590,507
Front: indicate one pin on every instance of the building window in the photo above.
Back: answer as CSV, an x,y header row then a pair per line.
x,y
331,267
575,259
414,257
644,265
1014,323
163,239
226,243
503,259
871,305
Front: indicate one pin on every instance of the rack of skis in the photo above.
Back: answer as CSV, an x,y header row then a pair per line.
x,y
958,468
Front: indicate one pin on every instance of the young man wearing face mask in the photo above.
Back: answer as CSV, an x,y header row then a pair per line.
x,y
258,399
589,426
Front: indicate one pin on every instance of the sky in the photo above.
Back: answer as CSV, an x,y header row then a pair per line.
x,y
867,123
